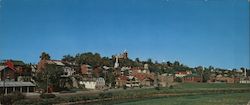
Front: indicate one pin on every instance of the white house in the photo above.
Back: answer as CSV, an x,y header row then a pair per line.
x,y
68,71
95,83
182,73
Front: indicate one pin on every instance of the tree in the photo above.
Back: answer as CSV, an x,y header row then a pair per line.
x,y
45,56
137,60
199,71
176,63
50,76
54,73
68,58
106,61
149,61
89,58
110,78
126,73
169,63
206,75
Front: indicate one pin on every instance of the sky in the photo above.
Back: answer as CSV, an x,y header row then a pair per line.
x,y
194,32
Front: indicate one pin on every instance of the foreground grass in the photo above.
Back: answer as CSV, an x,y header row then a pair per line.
x,y
117,96
214,99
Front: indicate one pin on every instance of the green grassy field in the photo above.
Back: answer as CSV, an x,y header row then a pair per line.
x,y
183,87
214,99
181,94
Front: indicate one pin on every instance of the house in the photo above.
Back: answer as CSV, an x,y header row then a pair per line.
x,y
121,81
222,79
144,79
93,83
13,86
136,70
192,78
245,80
86,70
21,69
68,69
125,71
165,80
132,82
182,73
100,83
19,66
7,73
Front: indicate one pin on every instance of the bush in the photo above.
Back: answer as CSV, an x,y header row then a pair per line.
x,y
11,98
178,79
47,95
157,88
105,95
124,87
140,86
26,102
171,87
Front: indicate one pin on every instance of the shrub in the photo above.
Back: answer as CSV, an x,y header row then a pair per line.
x,y
11,98
178,79
157,88
47,95
26,102
140,86
124,87
171,87
105,95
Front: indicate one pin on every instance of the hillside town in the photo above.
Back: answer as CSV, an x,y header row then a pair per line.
x,y
88,71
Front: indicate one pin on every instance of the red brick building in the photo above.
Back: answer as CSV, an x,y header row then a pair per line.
x,y
7,73
192,78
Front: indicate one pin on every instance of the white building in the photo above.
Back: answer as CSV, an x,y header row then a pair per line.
x,y
68,71
95,83
182,73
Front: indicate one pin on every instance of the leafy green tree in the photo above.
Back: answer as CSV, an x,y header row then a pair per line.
x,y
89,58
106,61
50,76
53,73
110,78
45,56
200,71
149,61
206,75
176,63
169,64
68,58
137,60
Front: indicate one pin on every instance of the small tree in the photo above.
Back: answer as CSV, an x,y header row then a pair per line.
x,y
178,79
45,56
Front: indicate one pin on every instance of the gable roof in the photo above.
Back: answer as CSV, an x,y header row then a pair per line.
x,y
125,78
17,62
4,67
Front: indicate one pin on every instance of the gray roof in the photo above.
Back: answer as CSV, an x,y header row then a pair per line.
x,y
2,67
16,84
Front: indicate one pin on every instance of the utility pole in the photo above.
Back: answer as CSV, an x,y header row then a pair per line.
x,y
3,85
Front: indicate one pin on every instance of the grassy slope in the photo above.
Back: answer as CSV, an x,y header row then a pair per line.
x,y
184,87
180,88
215,99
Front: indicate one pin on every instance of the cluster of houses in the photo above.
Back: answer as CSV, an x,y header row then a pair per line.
x,y
238,76
18,76
15,76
